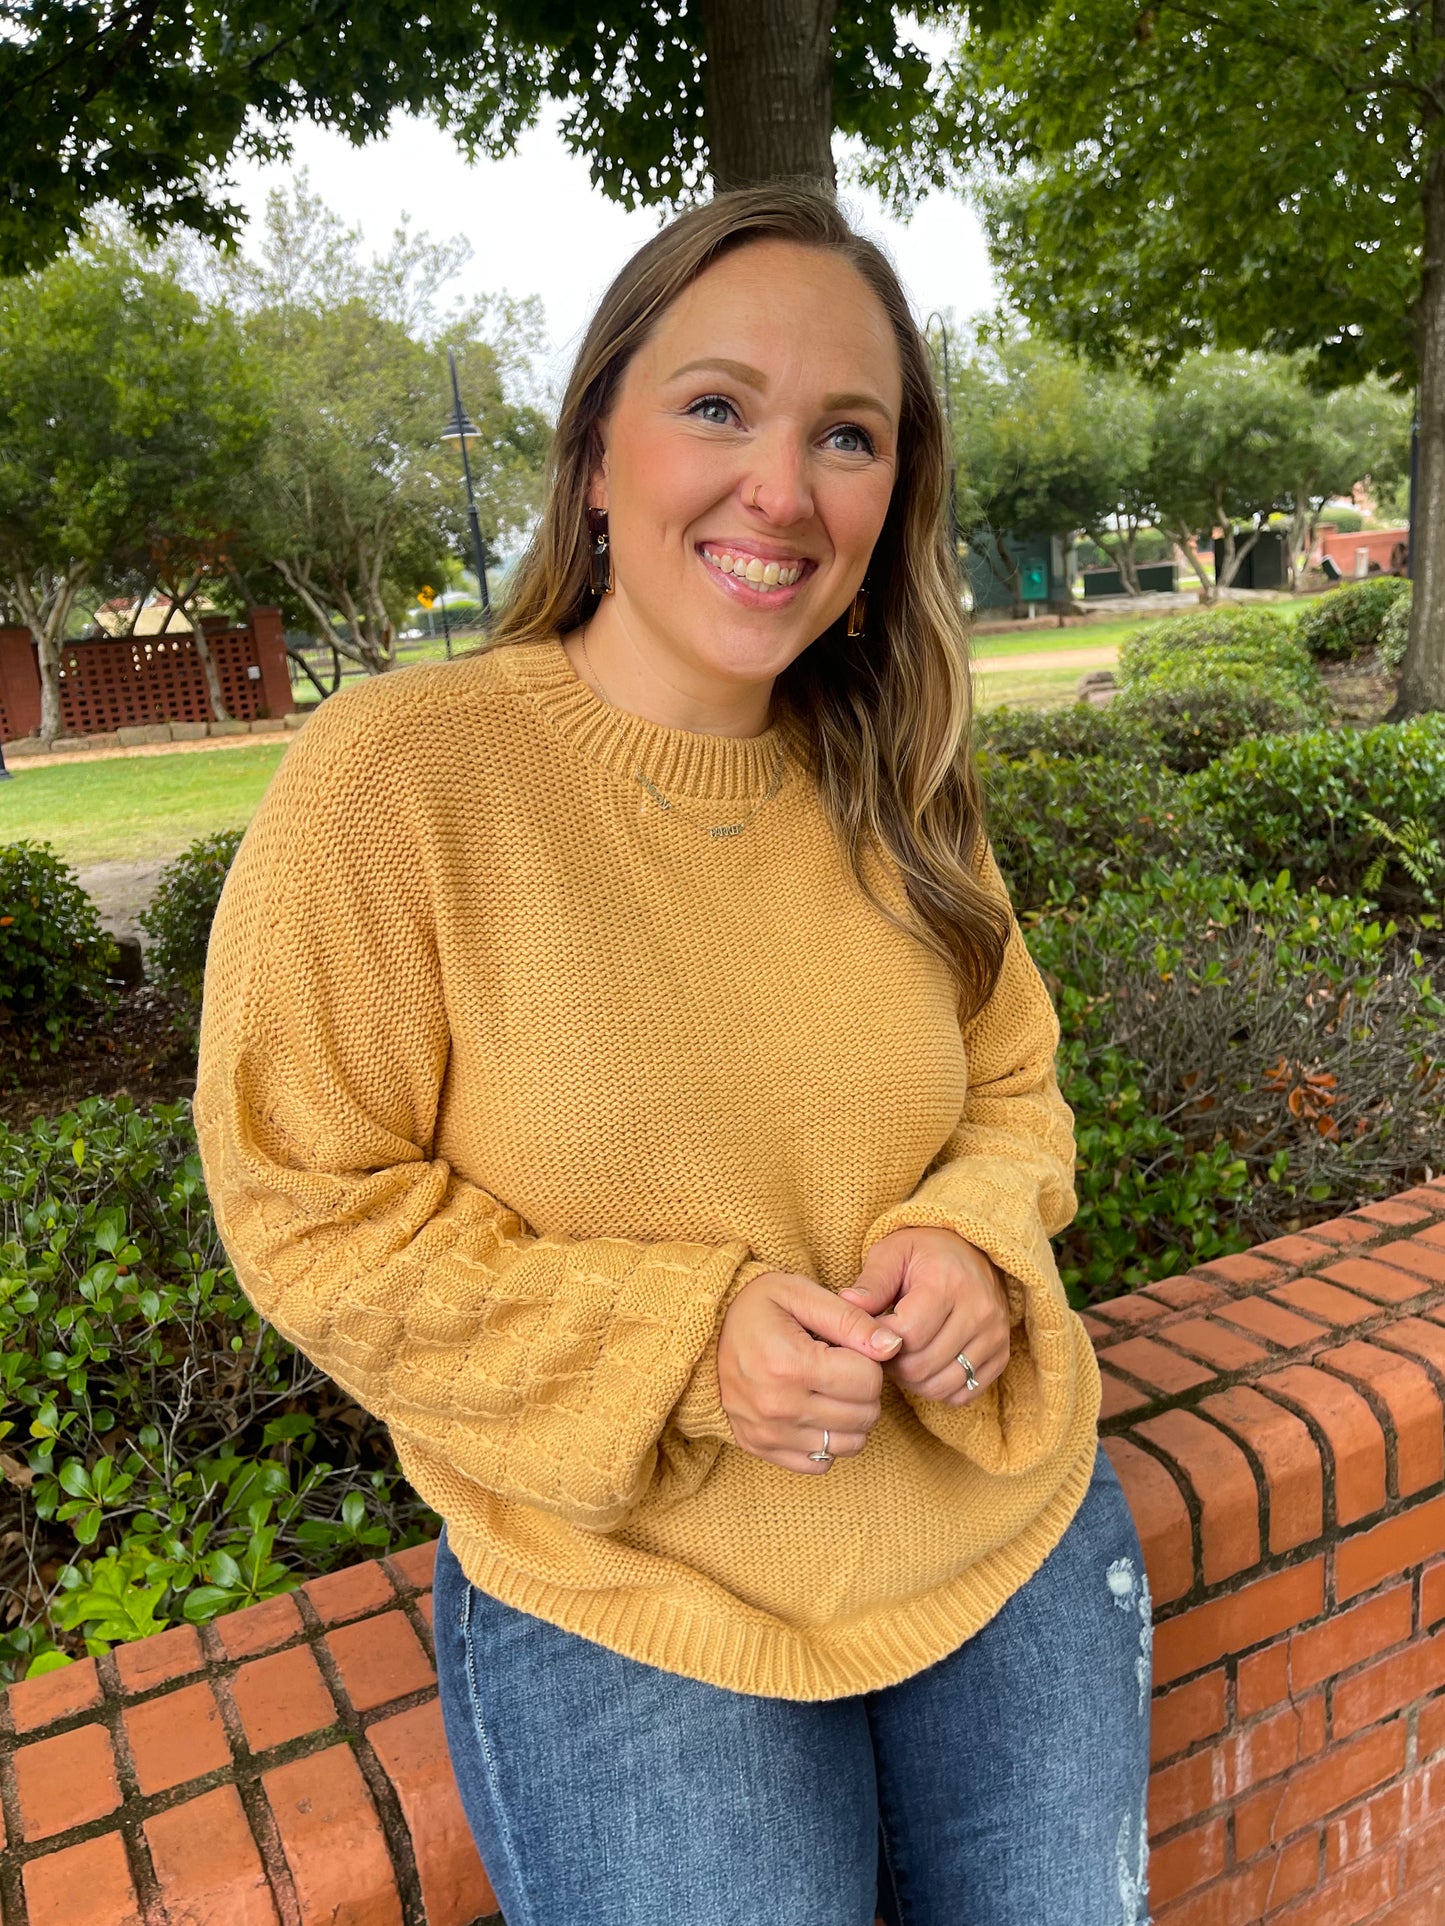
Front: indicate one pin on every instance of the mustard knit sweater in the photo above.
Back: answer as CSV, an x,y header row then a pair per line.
x,y
509,1082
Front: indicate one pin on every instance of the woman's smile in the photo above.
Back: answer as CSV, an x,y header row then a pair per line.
x,y
753,572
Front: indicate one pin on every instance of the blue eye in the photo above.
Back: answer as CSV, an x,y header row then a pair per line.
x,y
862,440
724,407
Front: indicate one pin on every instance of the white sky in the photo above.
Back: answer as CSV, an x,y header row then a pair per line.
x,y
538,226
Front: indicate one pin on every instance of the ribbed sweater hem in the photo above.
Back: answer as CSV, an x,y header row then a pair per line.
x,y
772,1661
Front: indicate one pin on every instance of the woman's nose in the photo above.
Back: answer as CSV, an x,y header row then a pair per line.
x,y
779,486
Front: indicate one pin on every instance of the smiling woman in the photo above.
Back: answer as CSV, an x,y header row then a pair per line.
x,y
621,1069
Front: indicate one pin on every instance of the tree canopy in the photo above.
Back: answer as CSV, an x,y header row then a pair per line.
x,y
125,418
1231,174
145,106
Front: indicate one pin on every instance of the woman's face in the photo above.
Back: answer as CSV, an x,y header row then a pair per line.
x,y
748,463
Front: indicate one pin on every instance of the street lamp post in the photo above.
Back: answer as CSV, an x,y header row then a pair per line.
x,y
462,429
952,455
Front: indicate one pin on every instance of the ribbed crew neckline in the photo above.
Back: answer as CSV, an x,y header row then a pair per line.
x,y
680,761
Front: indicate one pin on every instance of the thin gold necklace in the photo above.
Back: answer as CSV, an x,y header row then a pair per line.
x,y
718,832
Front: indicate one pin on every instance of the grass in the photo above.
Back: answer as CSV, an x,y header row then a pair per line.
x,y
135,806
1026,688
1039,638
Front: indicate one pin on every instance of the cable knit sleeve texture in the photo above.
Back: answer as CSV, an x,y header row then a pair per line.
x,y
573,1376
1005,1181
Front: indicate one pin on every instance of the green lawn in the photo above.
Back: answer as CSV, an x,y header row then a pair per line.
x,y
1034,638
1026,688
134,806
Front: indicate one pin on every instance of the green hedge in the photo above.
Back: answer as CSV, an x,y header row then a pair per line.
x,y
1352,811
1063,830
178,920
1350,620
1248,650
55,959
186,1458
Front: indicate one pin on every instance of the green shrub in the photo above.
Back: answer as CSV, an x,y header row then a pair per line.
x,y
1352,811
1190,727
55,959
179,915
1079,732
168,1451
1064,830
1395,631
1180,729
1347,621
1248,649
1239,1059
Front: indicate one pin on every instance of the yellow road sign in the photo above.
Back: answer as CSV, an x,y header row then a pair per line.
x,y
426,595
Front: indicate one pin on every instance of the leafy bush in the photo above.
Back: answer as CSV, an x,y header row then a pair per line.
x,y
1395,631
166,1456
1192,727
179,915
55,959
1063,831
1352,811
1226,646
1239,1059
1078,732
1182,729
1348,620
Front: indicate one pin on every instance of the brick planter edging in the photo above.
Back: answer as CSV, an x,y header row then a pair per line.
x,y
1277,1420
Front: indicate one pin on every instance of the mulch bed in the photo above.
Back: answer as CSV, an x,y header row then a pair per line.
x,y
140,1050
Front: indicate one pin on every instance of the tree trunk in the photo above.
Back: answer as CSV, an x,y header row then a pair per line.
x,y
1422,673
1186,552
45,616
768,90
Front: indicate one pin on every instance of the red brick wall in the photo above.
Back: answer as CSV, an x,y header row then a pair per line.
x,y
1278,1422
122,682
1378,543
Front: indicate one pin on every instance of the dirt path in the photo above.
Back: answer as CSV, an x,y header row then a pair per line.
x,y
1102,656
17,765
120,889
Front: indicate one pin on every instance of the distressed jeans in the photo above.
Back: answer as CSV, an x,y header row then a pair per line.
x,y
1004,1785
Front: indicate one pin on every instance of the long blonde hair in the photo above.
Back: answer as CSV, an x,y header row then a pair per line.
x,y
887,715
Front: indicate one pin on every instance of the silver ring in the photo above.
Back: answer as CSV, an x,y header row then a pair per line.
x,y
823,1457
968,1371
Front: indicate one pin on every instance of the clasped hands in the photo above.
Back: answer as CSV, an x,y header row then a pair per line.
x,y
795,1358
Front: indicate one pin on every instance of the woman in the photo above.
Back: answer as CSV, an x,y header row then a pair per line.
x,y
621,1070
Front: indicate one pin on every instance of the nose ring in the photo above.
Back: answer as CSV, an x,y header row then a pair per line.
x,y
754,502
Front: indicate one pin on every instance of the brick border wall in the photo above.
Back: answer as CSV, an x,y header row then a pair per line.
x,y
1278,1422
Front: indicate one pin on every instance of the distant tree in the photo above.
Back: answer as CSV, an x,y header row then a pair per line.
x,y
355,500
1239,438
1044,441
125,418
1242,174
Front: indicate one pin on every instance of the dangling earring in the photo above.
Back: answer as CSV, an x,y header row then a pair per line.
x,y
858,612
601,551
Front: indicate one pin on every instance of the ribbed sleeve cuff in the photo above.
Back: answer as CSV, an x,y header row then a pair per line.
x,y
937,1217
698,1413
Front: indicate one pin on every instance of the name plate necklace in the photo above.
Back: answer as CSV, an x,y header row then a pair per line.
x,y
716,832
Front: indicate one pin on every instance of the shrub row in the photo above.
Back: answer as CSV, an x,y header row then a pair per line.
x,y
1350,620
165,1455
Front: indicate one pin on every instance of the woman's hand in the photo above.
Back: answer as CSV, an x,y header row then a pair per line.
x,y
946,1297
792,1359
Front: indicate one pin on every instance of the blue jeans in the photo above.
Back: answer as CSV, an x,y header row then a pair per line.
x,y
1003,1785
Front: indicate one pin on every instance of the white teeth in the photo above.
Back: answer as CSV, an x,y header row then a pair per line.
x,y
756,573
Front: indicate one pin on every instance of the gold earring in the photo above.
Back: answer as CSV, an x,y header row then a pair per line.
x,y
601,557
858,612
